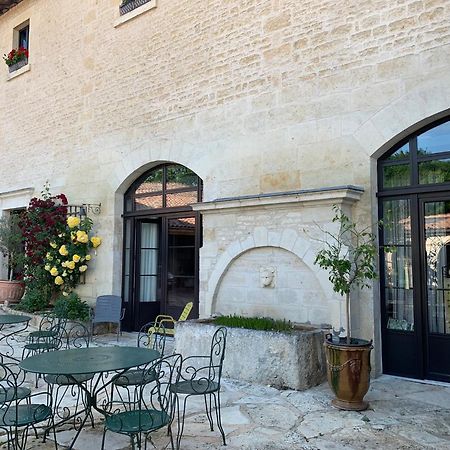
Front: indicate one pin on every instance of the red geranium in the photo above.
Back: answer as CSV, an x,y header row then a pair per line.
x,y
14,56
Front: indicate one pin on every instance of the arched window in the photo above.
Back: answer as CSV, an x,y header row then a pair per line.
x,y
162,235
414,206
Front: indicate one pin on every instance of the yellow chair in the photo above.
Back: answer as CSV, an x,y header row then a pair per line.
x,y
164,319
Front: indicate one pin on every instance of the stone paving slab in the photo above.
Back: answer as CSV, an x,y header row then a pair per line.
x,y
403,414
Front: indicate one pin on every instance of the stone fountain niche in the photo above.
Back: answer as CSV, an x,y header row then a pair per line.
x,y
258,255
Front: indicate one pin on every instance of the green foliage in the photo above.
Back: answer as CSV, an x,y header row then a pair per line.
x,y
11,242
254,323
36,298
348,255
71,307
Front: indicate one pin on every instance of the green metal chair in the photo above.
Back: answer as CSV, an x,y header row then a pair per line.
x,y
201,375
20,412
156,340
48,338
153,406
75,335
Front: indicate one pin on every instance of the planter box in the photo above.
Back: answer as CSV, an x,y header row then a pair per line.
x,y
131,5
284,360
18,65
11,291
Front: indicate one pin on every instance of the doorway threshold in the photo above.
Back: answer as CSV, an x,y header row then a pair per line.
x,y
415,380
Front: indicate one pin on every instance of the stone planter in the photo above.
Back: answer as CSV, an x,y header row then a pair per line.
x,y
284,360
18,65
131,5
11,291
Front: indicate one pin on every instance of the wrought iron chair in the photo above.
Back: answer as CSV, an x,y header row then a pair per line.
x,y
108,309
156,340
169,322
201,375
21,412
47,338
153,408
75,335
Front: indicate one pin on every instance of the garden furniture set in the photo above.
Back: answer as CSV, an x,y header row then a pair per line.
x,y
137,390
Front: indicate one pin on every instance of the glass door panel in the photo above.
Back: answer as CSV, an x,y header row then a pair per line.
x,y
181,264
149,250
437,241
397,255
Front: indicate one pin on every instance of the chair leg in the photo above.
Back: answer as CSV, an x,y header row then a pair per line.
x,y
180,422
218,415
103,438
209,411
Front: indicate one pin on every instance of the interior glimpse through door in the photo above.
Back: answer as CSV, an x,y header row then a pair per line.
x,y
436,220
181,264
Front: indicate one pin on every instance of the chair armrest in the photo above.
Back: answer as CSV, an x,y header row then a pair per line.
x,y
165,317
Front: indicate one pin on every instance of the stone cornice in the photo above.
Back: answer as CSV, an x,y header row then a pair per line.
x,y
348,194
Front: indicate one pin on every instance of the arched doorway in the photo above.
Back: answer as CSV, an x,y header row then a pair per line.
x,y
161,244
414,205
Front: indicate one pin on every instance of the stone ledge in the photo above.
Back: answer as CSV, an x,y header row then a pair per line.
x,y
19,72
136,12
327,195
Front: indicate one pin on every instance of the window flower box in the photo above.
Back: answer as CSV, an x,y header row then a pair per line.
x,y
129,5
18,65
16,59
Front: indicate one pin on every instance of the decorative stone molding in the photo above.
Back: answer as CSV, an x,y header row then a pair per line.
x,y
328,195
18,198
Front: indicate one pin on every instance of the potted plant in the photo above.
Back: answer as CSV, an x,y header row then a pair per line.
x,y
349,257
11,246
16,58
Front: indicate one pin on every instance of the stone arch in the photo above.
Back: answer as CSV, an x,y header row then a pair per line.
x,y
287,239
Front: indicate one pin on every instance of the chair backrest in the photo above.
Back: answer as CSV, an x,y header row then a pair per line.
x,y
217,354
48,321
186,311
152,335
76,335
108,308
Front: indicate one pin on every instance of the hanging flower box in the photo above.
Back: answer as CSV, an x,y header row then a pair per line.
x,y
16,59
18,65
129,5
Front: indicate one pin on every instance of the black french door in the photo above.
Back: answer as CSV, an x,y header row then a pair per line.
x,y
415,282
161,267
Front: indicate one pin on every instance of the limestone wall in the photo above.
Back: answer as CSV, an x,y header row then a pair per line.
x,y
255,96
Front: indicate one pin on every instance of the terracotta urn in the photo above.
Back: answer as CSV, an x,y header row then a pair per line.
x,y
11,291
348,372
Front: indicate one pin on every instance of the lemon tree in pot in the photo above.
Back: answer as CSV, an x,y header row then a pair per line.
x,y
349,257
11,246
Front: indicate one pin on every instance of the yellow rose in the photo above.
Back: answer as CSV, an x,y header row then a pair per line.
x,y
73,221
59,281
65,294
54,271
64,274
47,267
96,241
53,244
75,258
70,265
63,250
88,257
49,257
82,237
83,268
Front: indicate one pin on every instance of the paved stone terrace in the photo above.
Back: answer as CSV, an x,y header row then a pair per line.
x,y
403,415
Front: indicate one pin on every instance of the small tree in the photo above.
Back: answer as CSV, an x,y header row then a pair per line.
x,y
11,243
349,258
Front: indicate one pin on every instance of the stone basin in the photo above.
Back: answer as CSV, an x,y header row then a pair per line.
x,y
285,360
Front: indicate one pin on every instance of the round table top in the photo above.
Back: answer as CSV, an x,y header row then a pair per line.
x,y
88,360
6,319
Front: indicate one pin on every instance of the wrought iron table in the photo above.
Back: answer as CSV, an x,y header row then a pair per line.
x,y
7,334
81,361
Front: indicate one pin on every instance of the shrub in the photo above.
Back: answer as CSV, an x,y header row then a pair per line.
x,y
71,307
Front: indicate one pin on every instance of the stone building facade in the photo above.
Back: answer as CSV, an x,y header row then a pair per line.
x,y
281,107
